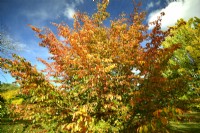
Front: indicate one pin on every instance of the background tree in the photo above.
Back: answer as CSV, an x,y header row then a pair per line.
x,y
7,45
187,34
97,89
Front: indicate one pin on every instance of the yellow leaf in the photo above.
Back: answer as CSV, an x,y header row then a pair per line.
x,y
109,68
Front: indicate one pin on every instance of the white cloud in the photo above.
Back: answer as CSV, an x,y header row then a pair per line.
x,y
79,1
69,11
43,11
158,2
175,10
150,5
20,46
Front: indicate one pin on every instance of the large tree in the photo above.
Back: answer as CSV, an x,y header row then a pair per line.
x,y
100,78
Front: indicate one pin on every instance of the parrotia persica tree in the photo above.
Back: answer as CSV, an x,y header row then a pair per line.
x,y
186,33
100,78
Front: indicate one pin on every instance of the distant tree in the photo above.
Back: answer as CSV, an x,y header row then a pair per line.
x,y
7,87
187,57
6,43
8,46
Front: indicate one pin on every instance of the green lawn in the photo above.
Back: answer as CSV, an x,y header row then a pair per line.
x,y
8,126
185,127
190,124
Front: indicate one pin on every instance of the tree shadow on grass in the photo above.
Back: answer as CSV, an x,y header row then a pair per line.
x,y
187,127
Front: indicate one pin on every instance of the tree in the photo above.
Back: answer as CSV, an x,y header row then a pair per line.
x,y
187,34
6,43
93,67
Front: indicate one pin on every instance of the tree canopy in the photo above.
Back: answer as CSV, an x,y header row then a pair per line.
x,y
187,34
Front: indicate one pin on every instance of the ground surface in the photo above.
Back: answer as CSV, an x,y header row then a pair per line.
x,y
190,124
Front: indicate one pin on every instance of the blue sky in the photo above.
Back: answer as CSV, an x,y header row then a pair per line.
x,y
17,14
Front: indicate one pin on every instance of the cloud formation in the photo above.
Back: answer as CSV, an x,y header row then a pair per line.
x,y
70,9
175,10
152,4
39,13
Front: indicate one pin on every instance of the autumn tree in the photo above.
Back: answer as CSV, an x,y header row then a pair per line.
x,y
91,83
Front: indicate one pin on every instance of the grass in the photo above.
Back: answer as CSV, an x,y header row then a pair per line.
x,y
190,123
16,128
9,93
185,127
8,126
20,126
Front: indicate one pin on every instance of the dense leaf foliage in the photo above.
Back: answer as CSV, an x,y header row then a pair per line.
x,y
100,78
187,56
